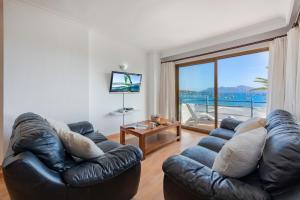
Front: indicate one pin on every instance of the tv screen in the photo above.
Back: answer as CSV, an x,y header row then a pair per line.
x,y
125,82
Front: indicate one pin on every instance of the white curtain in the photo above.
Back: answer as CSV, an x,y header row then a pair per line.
x,y
292,85
284,74
167,97
276,76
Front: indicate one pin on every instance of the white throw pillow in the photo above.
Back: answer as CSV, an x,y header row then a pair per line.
x,y
79,145
240,155
58,125
250,124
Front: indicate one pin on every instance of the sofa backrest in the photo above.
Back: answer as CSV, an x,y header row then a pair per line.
x,y
33,133
280,163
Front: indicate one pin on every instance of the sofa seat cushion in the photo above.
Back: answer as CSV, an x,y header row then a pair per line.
x,y
212,143
204,183
222,133
103,168
229,123
33,133
201,154
96,137
108,145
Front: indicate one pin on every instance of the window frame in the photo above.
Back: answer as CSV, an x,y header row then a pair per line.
x,y
204,61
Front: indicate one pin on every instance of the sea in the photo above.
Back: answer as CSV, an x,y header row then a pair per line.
x,y
230,99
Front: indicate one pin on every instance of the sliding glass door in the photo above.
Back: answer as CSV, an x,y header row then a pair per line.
x,y
196,96
233,86
242,90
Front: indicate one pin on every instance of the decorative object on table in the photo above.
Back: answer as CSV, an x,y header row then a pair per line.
x,y
152,124
155,118
163,121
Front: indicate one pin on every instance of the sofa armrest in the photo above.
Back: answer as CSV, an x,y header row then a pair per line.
x,y
105,167
230,123
205,183
24,172
83,127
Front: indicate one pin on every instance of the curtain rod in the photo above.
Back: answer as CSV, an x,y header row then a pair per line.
x,y
226,49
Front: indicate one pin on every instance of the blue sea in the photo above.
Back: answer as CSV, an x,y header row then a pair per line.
x,y
235,99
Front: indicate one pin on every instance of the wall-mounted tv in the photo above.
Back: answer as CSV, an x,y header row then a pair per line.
x,y
125,82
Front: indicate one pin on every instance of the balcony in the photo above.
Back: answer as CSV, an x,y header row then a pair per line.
x,y
202,115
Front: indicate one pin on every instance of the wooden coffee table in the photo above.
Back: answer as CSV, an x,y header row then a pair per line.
x,y
141,134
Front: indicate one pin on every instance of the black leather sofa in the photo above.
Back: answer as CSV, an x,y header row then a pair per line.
x,y
189,176
114,175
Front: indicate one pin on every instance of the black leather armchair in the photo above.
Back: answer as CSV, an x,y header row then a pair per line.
x,y
114,175
189,176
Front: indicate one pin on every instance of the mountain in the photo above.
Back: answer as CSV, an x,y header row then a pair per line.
x,y
238,89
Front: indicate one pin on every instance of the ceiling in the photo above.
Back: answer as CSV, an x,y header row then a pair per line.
x,y
165,24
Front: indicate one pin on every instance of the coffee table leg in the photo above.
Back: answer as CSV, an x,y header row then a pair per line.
x,y
122,137
179,133
142,145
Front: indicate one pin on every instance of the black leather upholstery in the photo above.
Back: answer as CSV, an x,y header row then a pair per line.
x,y
280,163
212,143
104,167
207,184
36,135
189,176
115,175
222,133
82,127
229,123
200,154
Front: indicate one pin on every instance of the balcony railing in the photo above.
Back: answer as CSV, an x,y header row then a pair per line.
x,y
207,103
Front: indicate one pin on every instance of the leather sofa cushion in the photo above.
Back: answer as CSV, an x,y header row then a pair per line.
x,y
212,143
105,167
201,155
96,137
33,133
230,123
222,133
278,117
280,163
83,127
107,145
200,180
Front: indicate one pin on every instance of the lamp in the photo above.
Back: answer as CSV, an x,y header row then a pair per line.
x,y
123,66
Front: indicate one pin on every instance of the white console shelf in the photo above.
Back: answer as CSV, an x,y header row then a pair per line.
x,y
120,113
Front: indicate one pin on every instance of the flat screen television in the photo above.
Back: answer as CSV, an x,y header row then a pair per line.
x,y
125,82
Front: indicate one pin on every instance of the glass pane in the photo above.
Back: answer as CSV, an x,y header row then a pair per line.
x,y
242,86
196,96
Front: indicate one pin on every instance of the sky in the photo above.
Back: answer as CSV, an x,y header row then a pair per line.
x,y
235,71
119,78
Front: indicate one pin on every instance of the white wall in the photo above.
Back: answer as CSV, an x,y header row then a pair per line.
x,y
45,66
105,55
60,69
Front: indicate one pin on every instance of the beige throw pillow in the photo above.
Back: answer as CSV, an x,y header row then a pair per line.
x,y
250,125
58,125
240,155
79,145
